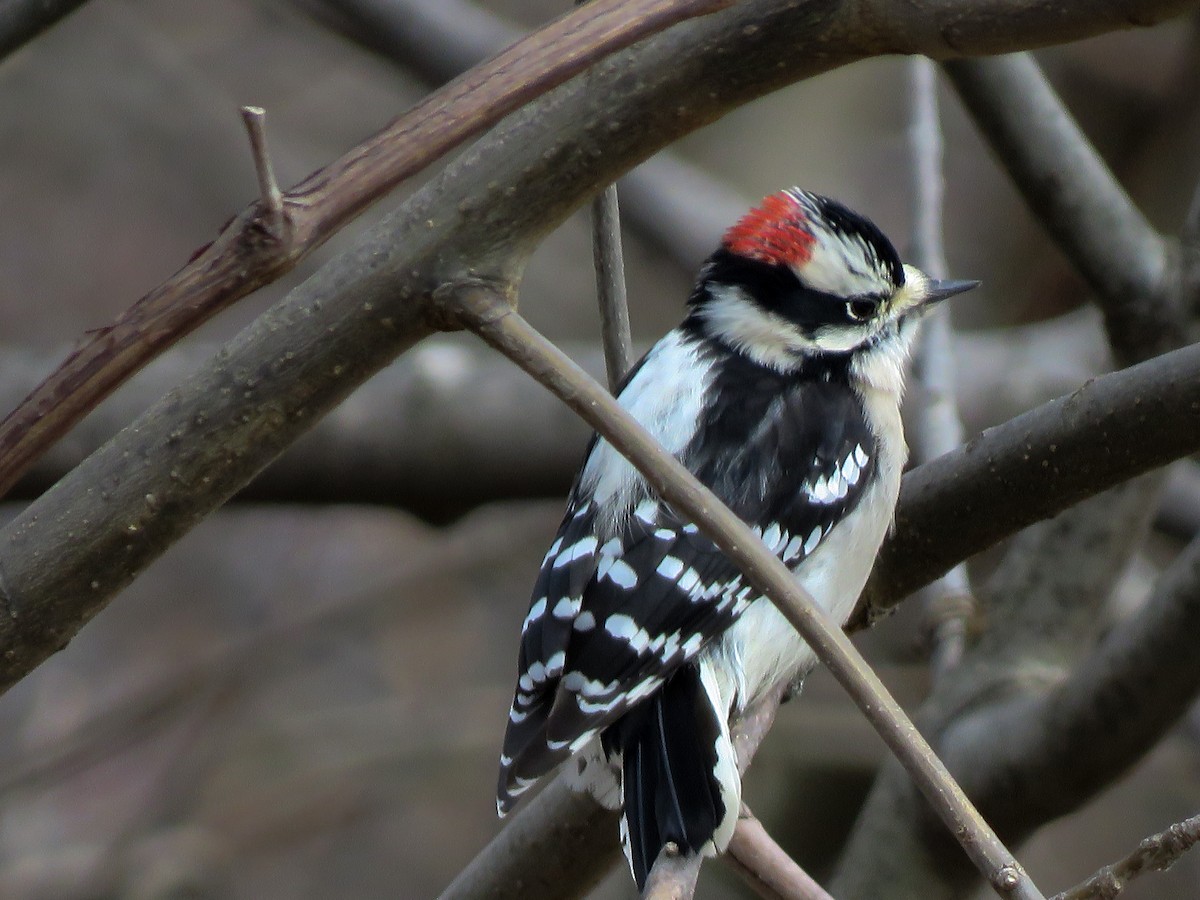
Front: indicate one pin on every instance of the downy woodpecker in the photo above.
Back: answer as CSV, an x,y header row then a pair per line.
x,y
780,391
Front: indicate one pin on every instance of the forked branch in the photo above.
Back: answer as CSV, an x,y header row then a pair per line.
x,y
250,252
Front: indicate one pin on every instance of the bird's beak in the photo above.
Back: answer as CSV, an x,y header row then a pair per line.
x,y
937,291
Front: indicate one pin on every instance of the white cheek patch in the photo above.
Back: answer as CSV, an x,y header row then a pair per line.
x,y
765,337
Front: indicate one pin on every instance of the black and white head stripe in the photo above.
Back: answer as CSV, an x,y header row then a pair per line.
x,y
625,597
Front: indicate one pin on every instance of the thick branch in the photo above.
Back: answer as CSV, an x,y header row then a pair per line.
x,y
1069,448
254,249
1116,705
672,203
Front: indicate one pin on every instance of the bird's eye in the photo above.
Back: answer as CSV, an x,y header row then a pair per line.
x,y
861,309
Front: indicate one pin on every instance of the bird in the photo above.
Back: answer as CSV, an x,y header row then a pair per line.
x,y
780,391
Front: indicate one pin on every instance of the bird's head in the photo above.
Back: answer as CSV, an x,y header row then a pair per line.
x,y
801,277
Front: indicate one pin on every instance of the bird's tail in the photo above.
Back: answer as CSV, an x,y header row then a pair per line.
x,y
679,777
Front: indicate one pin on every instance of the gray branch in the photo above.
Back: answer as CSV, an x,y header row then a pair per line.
x,y
23,20
1076,197
129,501
1048,596
948,602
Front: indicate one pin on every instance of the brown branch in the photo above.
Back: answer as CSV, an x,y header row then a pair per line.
x,y
248,254
486,313
766,867
1114,707
673,875
610,286
1156,853
672,203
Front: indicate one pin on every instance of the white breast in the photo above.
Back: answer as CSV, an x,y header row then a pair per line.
x,y
762,647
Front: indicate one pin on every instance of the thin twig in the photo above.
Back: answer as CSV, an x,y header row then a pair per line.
x,y
609,261
481,309
268,188
239,261
1154,854
766,867
610,286
948,603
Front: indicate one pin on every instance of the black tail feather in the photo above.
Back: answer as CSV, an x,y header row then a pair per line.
x,y
669,756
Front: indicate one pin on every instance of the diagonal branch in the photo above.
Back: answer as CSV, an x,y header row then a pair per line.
x,y
485,312
249,252
1156,853
671,202
1009,473
766,867
1113,707
23,20
1076,197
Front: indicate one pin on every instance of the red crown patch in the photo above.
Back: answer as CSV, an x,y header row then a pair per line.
x,y
776,231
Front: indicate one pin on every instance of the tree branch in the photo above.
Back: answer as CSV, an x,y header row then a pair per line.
x,y
1075,196
766,867
1147,658
250,253
1005,474
1154,854
949,602
23,20
610,286
670,202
